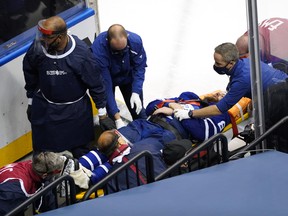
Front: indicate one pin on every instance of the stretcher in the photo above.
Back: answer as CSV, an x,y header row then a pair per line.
x,y
241,119
219,138
239,112
240,115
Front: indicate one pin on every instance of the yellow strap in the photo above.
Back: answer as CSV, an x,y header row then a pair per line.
x,y
80,195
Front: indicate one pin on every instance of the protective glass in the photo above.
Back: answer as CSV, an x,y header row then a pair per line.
x,y
47,38
46,33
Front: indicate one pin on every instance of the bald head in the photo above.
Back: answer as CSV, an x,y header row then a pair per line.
x,y
242,45
107,142
53,34
117,37
54,23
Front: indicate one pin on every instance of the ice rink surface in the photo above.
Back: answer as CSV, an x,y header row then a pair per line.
x,y
179,37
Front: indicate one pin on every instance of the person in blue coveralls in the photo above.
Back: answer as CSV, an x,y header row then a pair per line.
x,y
59,69
227,62
121,58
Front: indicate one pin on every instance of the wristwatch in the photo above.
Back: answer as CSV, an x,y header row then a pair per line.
x,y
190,113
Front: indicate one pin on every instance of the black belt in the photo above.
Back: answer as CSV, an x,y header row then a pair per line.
x,y
164,124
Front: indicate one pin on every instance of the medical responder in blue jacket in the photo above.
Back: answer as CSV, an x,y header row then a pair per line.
x,y
59,69
122,60
227,62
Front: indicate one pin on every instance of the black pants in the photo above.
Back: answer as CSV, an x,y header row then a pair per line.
x,y
126,91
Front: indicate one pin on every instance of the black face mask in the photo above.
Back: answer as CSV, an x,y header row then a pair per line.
x,y
52,47
119,52
221,70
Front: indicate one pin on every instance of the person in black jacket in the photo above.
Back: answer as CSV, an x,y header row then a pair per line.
x,y
59,69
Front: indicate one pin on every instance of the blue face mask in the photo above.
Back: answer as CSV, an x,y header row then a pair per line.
x,y
221,70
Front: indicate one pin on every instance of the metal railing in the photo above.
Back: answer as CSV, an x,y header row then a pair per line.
x,y
124,168
70,194
212,151
194,160
258,141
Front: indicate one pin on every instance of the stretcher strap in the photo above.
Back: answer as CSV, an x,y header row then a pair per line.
x,y
162,122
137,172
181,101
234,125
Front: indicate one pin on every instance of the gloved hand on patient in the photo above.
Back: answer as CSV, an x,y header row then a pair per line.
x,y
181,114
135,100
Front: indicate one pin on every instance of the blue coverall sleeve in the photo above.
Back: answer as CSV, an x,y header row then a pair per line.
x,y
139,61
238,90
112,107
102,61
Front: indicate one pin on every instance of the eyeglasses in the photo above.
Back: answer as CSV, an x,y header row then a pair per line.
x,y
47,168
119,52
54,172
49,37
